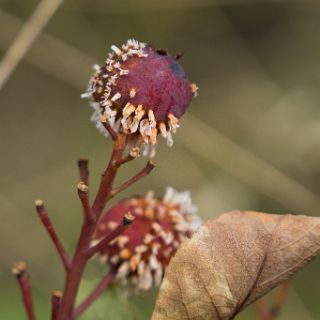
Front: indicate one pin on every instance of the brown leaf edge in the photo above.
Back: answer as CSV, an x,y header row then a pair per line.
x,y
232,261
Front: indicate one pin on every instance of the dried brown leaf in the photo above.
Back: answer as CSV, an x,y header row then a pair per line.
x,y
232,261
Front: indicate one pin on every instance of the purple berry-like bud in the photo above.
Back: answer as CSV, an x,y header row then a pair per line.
x,y
141,92
141,253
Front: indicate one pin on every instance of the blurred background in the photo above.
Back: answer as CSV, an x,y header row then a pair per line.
x,y
250,139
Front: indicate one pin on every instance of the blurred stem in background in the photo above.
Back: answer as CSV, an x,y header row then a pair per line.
x,y
26,36
271,313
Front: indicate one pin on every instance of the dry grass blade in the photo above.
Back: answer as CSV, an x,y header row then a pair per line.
x,y
232,261
27,35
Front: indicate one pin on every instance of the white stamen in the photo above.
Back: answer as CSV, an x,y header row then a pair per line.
x,y
114,259
156,227
116,50
123,270
173,123
139,113
152,119
145,280
116,96
145,150
141,267
194,89
163,129
148,238
153,151
153,262
128,109
86,95
96,67
169,139
158,275
141,248
123,72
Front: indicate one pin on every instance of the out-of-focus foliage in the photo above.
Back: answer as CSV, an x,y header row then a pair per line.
x,y
249,141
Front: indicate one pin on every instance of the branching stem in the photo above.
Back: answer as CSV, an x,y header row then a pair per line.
x,y
127,220
91,215
103,284
108,176
145,171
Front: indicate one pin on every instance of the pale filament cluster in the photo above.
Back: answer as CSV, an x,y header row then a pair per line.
x,y
169,222
130,119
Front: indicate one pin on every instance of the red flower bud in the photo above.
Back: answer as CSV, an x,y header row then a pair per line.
x,y
143,250
140,91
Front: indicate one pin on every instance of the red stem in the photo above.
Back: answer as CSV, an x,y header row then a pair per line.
x,y
75,273
84,171
103,194
20,271
56,297
145,171
126,159
80,257
103,284
127,220
44,217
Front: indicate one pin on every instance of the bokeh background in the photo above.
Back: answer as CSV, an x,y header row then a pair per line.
x,y
249,141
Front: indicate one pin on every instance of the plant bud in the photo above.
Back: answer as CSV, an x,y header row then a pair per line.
x,y
141,253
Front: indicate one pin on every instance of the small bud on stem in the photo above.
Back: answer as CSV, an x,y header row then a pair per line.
x,y
83,195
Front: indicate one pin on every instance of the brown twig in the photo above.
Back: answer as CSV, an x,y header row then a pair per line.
x,y
84,171
101,287
127,220
44,217
56,297
145,171
83,195
19,269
